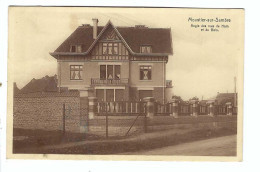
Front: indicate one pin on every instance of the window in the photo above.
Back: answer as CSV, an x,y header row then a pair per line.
x,y
110,94
73,48
103,72
100,94
145,72
76,72
110,71
146,49
117,72
76,48
110,48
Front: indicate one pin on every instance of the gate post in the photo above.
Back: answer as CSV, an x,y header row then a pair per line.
x,y
63,119
229,108
83,123
149,106
92,107
194,107
174,110
211,109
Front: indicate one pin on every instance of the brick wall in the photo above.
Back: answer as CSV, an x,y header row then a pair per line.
x,y
44,111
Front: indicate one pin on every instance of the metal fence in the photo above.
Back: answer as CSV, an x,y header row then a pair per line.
x,y
121,108
186,109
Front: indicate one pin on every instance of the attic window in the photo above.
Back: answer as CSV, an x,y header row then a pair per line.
x,y
76,48
146,49
110,48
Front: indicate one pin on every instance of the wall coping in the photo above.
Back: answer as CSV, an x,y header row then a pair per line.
x,y
48,94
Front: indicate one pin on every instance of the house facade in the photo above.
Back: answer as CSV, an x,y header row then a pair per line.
x,y
115,63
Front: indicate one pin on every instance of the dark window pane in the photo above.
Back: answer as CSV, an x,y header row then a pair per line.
x,y
141,74
149,75
103,71
110,95
110,71
145,72
100,94
73,48
117,72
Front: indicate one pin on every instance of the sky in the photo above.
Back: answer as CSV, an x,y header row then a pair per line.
x,y
203,63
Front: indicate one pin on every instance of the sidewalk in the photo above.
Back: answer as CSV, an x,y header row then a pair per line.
x,y
219,146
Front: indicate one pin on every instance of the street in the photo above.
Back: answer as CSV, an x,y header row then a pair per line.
x,y
220,146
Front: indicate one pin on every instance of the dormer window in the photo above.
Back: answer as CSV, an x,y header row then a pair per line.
x,y
76,48
146,49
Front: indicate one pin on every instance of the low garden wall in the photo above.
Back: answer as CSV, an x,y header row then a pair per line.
x,y
44,111
119,125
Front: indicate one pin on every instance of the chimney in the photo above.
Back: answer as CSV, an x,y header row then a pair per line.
x,y
95,26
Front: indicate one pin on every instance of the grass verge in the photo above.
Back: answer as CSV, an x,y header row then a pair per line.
x,y
117,146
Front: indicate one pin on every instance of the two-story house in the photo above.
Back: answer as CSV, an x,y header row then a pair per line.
x,y
115,63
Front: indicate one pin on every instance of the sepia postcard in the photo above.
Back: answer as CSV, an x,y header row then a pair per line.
x,y
119,83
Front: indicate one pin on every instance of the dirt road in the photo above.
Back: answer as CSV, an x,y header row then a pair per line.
x,y
220,146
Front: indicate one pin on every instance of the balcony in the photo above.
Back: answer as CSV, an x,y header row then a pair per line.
x,y
98,81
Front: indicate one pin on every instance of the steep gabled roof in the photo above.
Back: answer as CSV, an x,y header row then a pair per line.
x,y
158,38
223,98
133,37
83,35
45,84
16,89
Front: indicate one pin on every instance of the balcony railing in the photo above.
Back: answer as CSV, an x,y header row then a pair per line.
x,y
98,81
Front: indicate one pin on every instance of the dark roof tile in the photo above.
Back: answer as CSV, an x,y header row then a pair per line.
x,y
45,84
159,38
